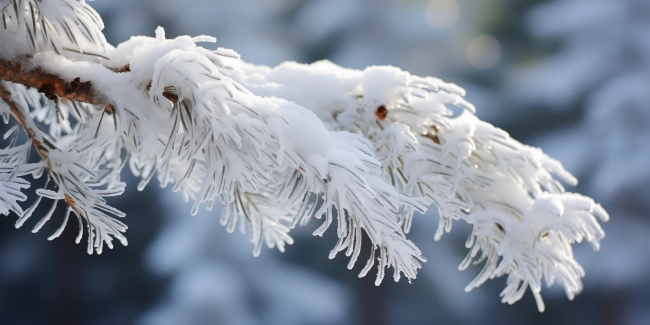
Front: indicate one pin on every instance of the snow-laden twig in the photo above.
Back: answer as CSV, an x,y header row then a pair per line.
x,y
281,146
468,168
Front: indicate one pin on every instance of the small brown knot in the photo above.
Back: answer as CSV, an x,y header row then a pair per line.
x,y
171,96
381,112
75,84
126,68
433,136
109,109
49,91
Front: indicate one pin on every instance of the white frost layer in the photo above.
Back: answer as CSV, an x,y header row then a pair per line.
x,y
282,145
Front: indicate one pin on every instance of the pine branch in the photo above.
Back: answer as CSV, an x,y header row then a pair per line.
x,y
278,146
42,144
52,86
73,186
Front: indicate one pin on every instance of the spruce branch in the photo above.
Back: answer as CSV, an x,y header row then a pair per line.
x,y
362,149
50,85
73,185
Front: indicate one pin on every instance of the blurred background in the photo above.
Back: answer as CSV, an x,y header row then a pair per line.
x,y
569,76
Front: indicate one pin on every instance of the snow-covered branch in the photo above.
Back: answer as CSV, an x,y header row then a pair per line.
x,y
279,146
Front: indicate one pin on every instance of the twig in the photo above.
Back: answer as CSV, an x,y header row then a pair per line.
x,y
52,86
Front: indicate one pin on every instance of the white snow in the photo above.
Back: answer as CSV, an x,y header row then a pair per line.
x,y
364,149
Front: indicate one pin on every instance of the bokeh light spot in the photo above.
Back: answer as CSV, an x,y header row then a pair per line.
x,y
442,14
484,52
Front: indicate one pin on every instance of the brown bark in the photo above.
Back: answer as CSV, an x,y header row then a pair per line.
x,y
53,86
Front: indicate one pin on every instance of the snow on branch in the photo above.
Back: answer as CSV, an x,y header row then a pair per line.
x,y
74,181
280,146
68,27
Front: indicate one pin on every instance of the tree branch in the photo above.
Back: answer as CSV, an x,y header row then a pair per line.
x,y
55,87
24,122
52,86
74,189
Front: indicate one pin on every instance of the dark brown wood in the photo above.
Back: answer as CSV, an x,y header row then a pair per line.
x,y
53,86
381,112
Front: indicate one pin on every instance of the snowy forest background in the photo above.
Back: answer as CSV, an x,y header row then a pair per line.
x,y
569,76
